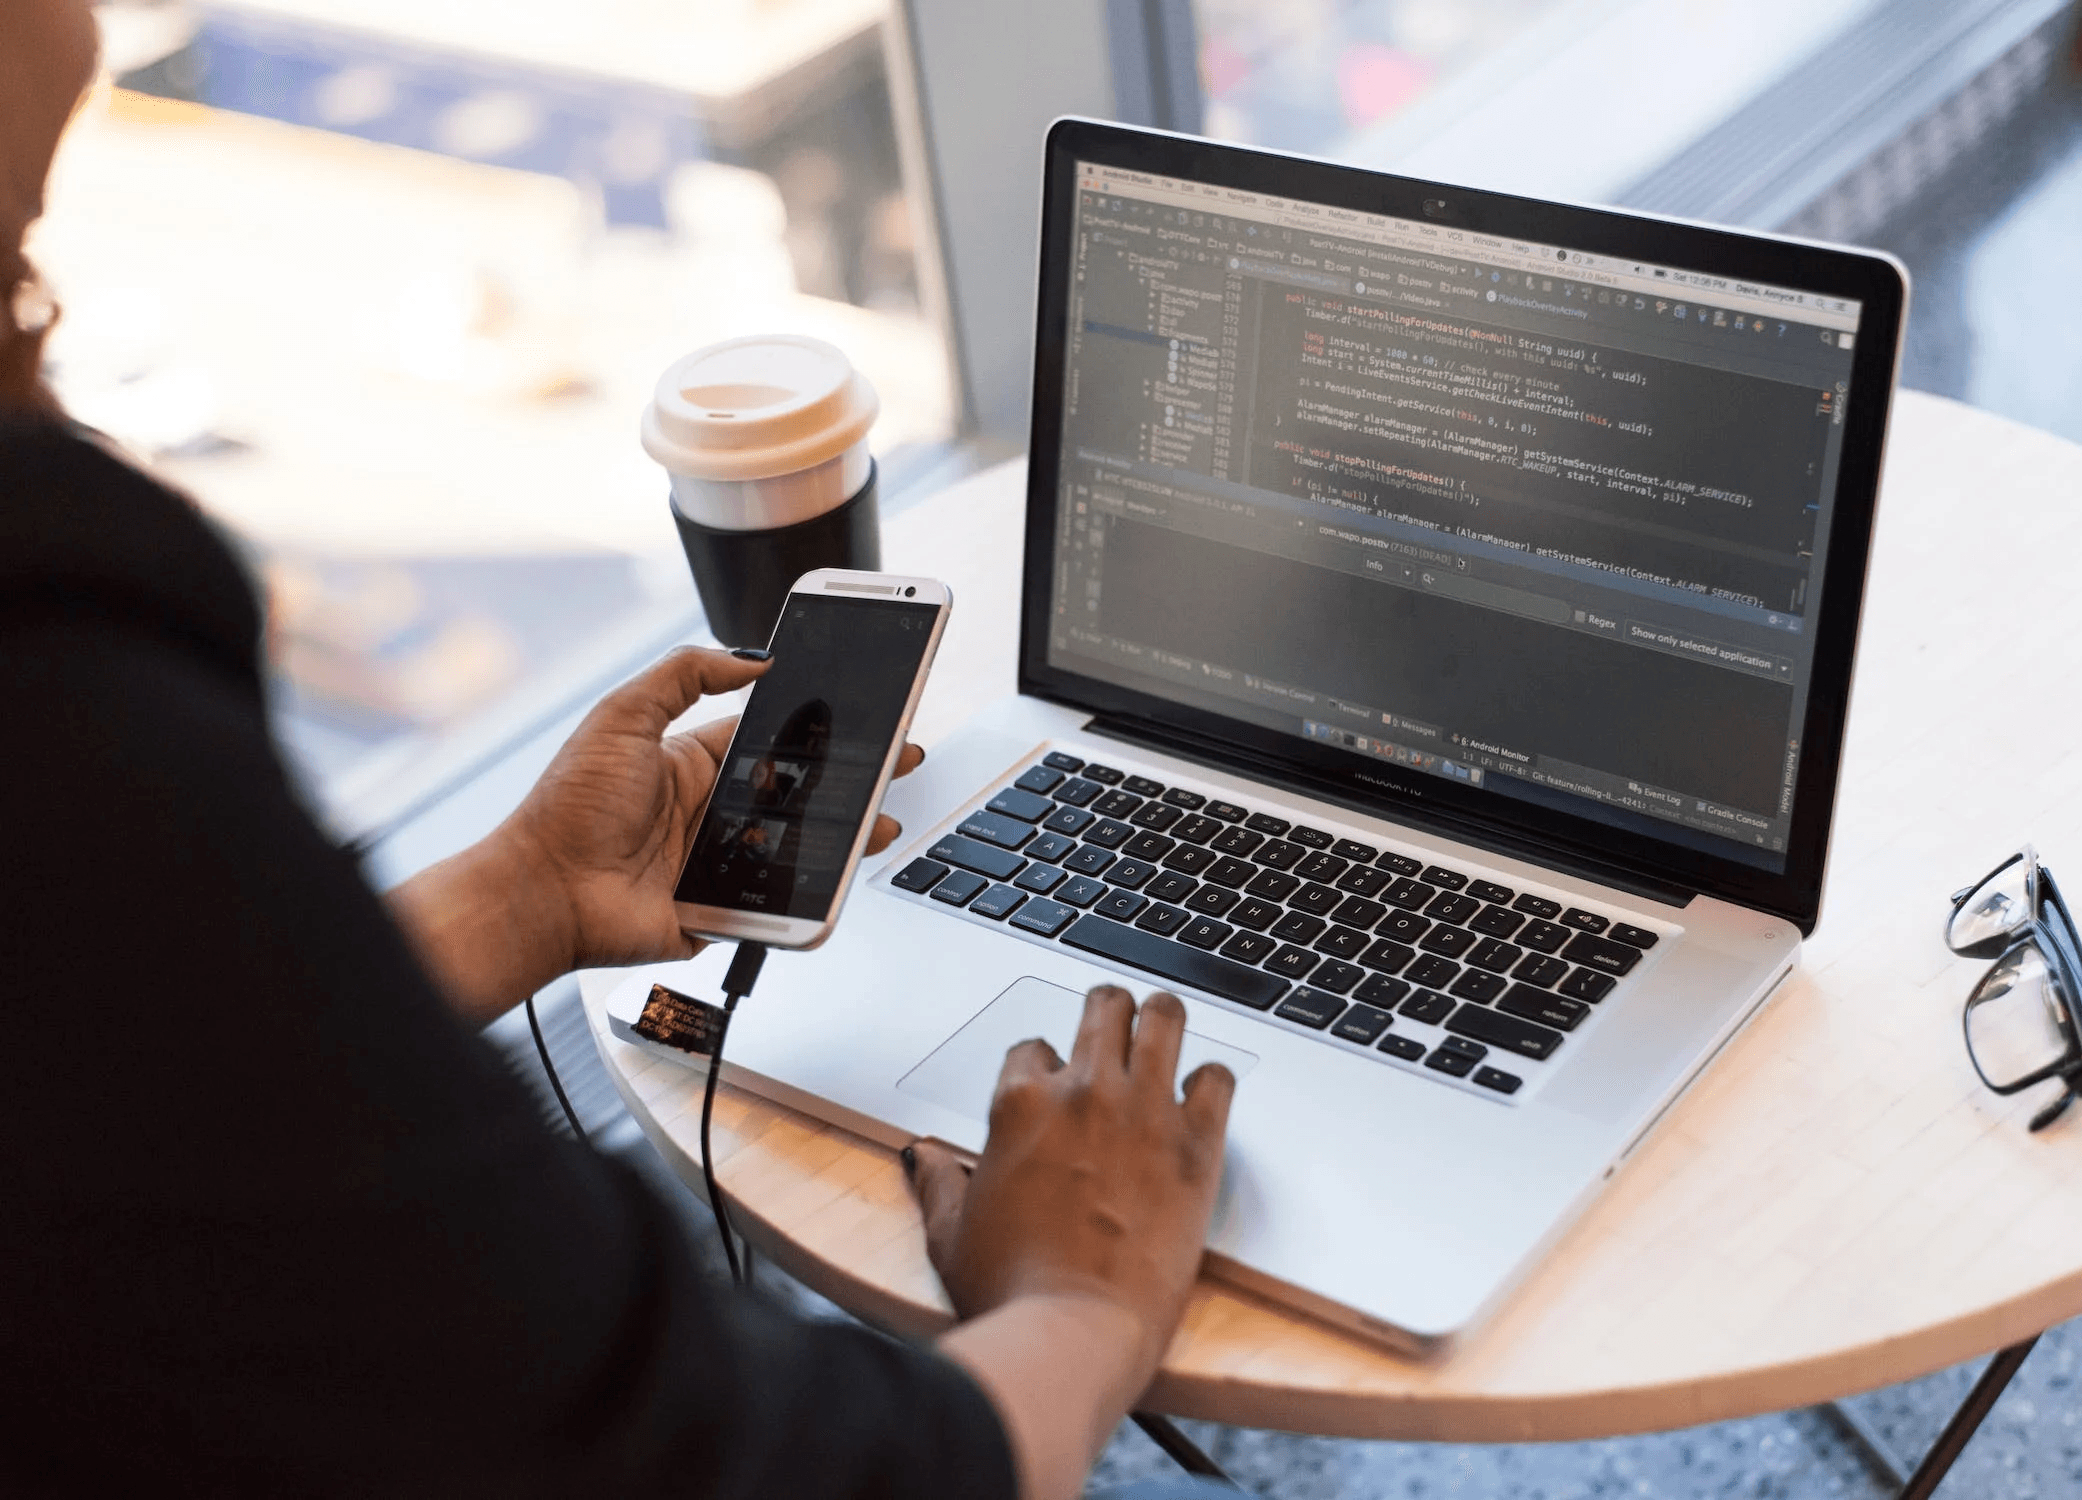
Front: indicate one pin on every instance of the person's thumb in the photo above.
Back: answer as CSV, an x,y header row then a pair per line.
x,y
664,692
940,1181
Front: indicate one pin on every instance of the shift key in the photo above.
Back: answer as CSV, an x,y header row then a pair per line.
x,y
967,854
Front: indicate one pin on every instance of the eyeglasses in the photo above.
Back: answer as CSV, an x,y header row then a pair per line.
x,y
2023,1024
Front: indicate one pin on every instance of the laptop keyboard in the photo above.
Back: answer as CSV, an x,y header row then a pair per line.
x,y
1421,963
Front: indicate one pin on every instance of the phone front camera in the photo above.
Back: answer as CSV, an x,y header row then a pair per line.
x,y
909,591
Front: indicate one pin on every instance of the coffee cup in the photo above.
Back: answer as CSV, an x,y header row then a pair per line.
x,y
765,442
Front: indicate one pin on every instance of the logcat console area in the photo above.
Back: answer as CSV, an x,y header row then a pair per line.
x,y
1492,510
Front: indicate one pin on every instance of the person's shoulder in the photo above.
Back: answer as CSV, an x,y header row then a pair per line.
x,y
87,538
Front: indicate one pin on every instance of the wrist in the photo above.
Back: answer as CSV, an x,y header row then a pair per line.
x,y
492,922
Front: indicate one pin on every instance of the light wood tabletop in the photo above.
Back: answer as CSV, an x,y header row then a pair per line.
x,y
1836,1205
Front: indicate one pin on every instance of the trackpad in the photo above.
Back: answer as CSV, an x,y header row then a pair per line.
x,y
962,1072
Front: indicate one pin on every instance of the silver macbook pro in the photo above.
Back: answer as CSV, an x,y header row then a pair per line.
x,y
1438,620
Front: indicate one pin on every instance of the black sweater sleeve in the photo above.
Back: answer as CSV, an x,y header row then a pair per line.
x,y
271,1219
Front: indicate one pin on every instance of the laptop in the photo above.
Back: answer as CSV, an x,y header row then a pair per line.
x,y
1438,617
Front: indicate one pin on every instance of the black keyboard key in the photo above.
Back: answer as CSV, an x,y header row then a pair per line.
x,y
1362,1024
982,859
1498,1079
1399,864
1387,956
1205,932
1323,867
1122,906
1409,1049
1431,970
1077,791
1116,804
1587,984
1476,984
1089,859
919,875
1537,906
1040,879
1336,976
1494,955
1362,880
1266,823
1149,846
1062,761
1316,900
1489,890
1451,941
1044,916
1130,874
1279,854
1427,1006
1142,786
1355,851
1403,926
999,901
1108,833
1291,962
1602,954
1379,989
996,828
1539,969
1230,871
1190,859
1633,937
1237,841
1250,947
1197,829
1212,900
1342,942
1178,796
1584,921
1080,891
1175,962
1354,912
1409,894
1042,779
1508,1032
1255,913
1312,838
1104,775
1542,936
1272,885
1298,927
1452,908
1025,806
1171,886
1068,820
1496,921
1549,1010
1162,920
1453,1063
1157,815
1311,1008
1451,880
959,888
1050,847
1228,812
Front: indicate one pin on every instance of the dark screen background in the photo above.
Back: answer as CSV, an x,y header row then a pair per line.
x,y
795,786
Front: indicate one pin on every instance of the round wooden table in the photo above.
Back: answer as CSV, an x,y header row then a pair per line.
x,y
1837,1204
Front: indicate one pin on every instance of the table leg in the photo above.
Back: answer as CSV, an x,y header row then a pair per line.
x,y
1181,1449
1879,1456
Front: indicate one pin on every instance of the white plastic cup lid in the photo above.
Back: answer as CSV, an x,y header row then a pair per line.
x,y
756,408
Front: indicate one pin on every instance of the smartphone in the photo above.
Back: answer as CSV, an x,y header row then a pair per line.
x,y
798,790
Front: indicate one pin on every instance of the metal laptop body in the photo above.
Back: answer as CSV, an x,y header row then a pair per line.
x,y
1368,1187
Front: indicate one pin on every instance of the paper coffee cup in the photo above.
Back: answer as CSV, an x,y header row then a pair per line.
x,y
761,432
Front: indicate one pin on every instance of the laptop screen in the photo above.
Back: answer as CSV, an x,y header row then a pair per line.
x,y
1541,521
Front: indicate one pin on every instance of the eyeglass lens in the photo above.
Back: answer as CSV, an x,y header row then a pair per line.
x,y
2016,1021
1998,906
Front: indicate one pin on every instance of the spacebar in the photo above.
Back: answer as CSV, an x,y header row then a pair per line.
x,y
1176,962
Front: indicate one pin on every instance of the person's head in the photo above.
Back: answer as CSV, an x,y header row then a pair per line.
x,y
46,62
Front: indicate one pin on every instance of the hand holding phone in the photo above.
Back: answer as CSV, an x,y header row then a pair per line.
x,y
794,802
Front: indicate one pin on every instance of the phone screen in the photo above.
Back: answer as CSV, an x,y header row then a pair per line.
x,y
795,787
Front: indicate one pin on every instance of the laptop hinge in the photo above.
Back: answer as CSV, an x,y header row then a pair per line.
x,y
1481,835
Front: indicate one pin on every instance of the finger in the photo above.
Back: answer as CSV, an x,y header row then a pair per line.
x,y
910,760
1028,1067
654,698
1102,1035
940,1181
1160,1030
714,736
1208,1094
887,831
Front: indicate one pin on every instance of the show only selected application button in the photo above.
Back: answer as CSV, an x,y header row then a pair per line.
x,y
1699,648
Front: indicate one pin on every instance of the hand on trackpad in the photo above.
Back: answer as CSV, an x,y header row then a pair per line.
x,y
962,1072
